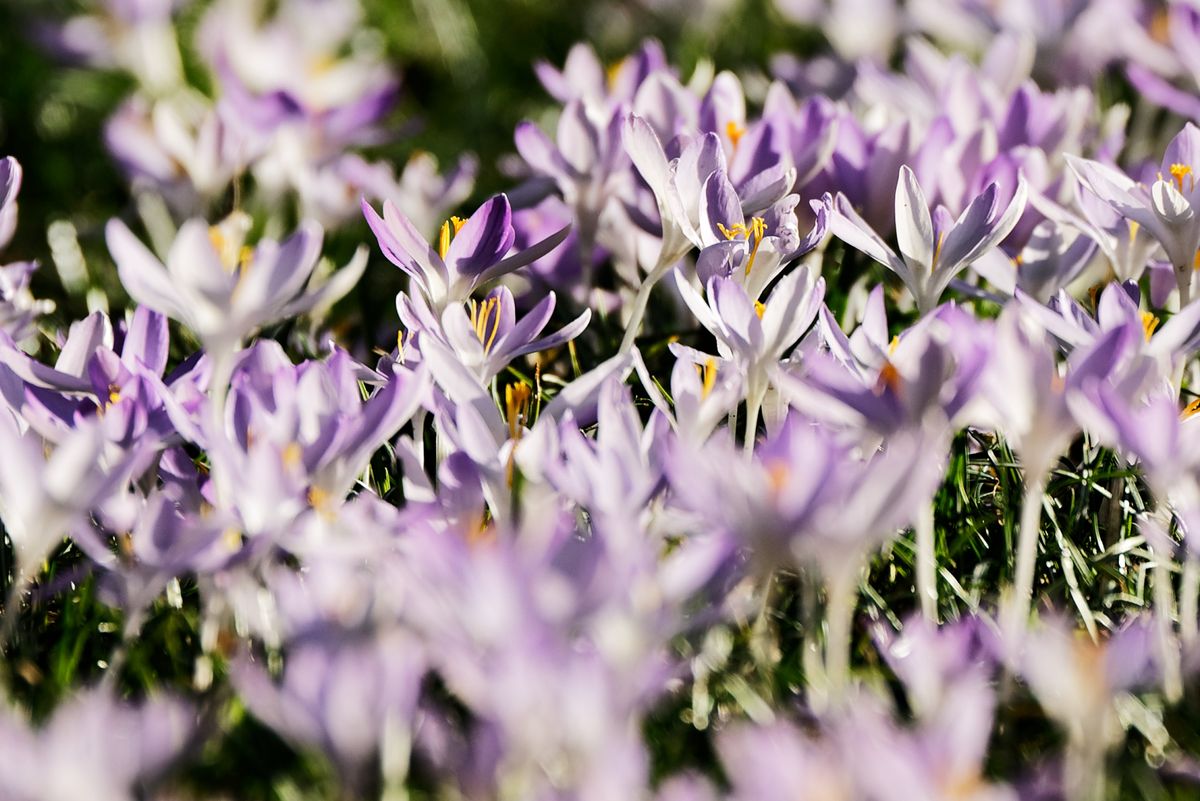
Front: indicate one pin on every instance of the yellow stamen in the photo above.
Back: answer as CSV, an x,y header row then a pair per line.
x,y
292,455
1160,27
516,406
1179,172
484,316
937,250
449,228
759,308
889,379
114,394
321,502
734,132
232,538
1190,410
710,377
777,475
444,240
321,65
1017,261
1134,227
613,71
752,233
1149,323
895,343
737,231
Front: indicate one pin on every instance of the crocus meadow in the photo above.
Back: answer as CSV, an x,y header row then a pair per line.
x,y
823,427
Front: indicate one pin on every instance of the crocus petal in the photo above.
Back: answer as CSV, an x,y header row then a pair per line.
x,y
142,275
914,227
526,256
147,340
483,240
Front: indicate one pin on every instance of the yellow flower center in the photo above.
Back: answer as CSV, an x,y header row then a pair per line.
x,y
1149,323
485,320
1181,171
517,400
292,455
449,228
734,132
889,379
752,233
1190,410
708,376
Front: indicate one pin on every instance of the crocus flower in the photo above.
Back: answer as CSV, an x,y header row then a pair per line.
x,y
1167,210
751,251
46,493
586,162
1025,393
220,289
469,252
702,396
753,336
486,335
935,248
94,745
342,693
1077,681
1048,262
10,186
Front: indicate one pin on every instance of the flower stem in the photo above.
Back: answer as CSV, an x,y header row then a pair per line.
x,y
1084,769
633,327
842,591
1189,586
1027,547
754,400
1183,280
926,563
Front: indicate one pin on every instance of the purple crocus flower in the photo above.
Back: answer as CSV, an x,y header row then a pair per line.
x,y
18,309
752,336
469,252
1049,262
486,335
586,162
220,289
1167,210
47,493
751,251
347,695
935,248
93,745
1077,681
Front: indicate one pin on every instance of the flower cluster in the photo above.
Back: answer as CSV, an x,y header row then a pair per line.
x,y
825,438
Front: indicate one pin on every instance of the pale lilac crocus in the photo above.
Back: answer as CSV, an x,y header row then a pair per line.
x,y
1050,260
486,334
220,288
1167,210
753,336
1077,681
1024,394
934,248
94,745
469,252
678,185
45,493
